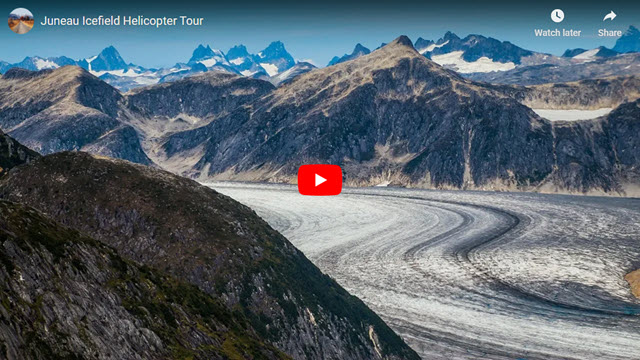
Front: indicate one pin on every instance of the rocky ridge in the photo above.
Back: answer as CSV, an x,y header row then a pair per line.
x,y
65,109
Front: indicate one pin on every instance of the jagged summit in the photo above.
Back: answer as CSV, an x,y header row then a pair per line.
x,y
276,48
201,53
237,52
629,41
402,40
360,47
358,51
449,35
108,59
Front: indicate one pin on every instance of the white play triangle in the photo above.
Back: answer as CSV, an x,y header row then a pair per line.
x,y
319,179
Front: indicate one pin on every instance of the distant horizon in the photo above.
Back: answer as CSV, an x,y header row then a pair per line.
x,y
187,56
315,31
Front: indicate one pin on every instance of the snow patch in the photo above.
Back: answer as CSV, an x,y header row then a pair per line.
x,y
121,72
588,55
571,115
237,61
455,61
270,68
45,64
209,62
431,47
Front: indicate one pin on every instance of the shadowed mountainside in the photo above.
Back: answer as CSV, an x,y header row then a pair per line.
x,y
65,109
65,295
192,232
12,153
392,111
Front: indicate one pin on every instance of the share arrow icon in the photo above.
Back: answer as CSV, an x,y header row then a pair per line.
x,y
610,16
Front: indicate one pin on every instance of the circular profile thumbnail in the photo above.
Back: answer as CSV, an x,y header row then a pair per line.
x,y
21,21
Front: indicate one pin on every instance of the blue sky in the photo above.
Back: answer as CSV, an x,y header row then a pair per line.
x,y
310,30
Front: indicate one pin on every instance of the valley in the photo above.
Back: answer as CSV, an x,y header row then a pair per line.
x,y
468,275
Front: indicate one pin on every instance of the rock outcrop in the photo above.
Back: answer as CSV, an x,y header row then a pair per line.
x,y
633,278
12,154
586,94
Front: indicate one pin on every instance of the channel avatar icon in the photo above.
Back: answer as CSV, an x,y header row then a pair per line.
x,y
21,21
320,180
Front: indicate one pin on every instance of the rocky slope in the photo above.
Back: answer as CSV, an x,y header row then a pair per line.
x,y
198,96
12,154
633,278
62,109
225,249
292,73
67,296
586,94
601,154
622,65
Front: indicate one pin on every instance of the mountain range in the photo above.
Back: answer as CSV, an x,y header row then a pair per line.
x,y
475,56
487,59
395,117
109,65
392,116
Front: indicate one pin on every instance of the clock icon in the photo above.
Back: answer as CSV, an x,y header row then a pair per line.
x,y
557,15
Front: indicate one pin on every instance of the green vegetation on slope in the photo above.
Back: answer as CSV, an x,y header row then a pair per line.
x,y
67,296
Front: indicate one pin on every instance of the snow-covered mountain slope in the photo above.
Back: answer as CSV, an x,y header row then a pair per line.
x,y
211,58
590,55
109,65
474,53
475,56
244,63
290,74
275,59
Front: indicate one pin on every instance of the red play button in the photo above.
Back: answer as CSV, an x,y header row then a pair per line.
x,y
319,180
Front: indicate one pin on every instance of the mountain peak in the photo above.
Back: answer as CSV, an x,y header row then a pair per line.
x,y
237,51
629,41
109,50
358,51
275,49
402,40
201,53
450,36
359,47
108,59
275,58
